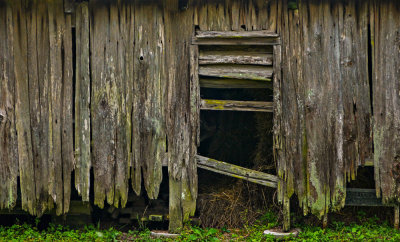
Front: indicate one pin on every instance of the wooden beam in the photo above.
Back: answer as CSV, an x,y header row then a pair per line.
x,y
233,83
236,41
259,73
235,34
237,171
230,105
232,58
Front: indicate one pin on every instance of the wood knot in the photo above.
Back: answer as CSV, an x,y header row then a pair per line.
x,y
2,115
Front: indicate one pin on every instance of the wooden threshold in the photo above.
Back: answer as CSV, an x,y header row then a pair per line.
x,y
237,171
230,105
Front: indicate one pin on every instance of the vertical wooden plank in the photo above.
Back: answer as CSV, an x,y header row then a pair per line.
x,y
66,115
386,100
32,68
56,28
43,61
179,105
149,123
22,111
8,142
82,103
124,67
103,109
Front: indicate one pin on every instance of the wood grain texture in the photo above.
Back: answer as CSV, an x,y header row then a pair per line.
x,y
82,102
149,88
233,83
68,160
386,102
226,105
249,72
104,102
244,58
8,137
22,110
180,103
325,68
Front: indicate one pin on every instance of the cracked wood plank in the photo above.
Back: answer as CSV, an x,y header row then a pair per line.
x,y
225,105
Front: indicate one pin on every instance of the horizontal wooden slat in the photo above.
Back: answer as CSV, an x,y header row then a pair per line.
x,y
260,73
236,34
363,197
236,41
230,105
233,83
219,57
237,171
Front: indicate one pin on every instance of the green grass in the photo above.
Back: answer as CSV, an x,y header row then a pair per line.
x,y
369,229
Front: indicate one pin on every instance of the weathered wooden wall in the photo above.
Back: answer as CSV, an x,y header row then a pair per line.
x,y
385,29
323,132
133,95
36,79
330,116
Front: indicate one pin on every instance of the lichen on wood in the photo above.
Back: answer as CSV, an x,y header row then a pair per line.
x,y
322,114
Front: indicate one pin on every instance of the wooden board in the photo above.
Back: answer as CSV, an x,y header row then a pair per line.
x,y
230,105
82,102
249,72
237,171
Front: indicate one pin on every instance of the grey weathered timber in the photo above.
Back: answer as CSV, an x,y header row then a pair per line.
x,y
234,41
125,84
249,72
8,139
325,73
235,34
233,83
68,160
82,102
386,101
181,132
22,110
103,102
237,171
235,38
149,88
33,15
225,105
227,57
56,26
43,61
